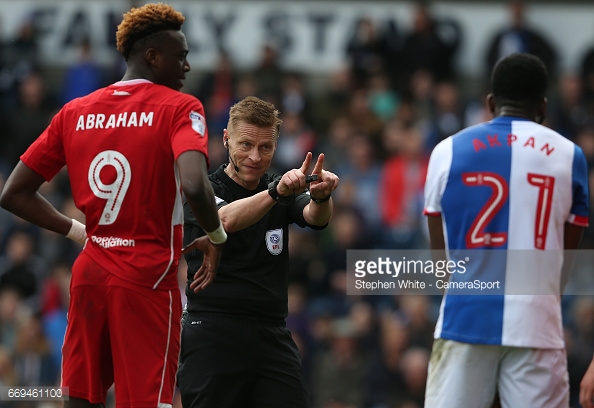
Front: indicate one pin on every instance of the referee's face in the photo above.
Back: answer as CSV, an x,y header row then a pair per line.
x,y
251,149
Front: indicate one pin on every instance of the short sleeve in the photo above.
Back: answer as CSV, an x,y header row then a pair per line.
x,y
579,181
437,177
220,202
189,130
296,212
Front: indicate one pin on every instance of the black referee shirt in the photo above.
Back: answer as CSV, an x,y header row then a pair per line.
x,y
252,278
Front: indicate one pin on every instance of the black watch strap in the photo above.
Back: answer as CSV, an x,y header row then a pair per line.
x,y
273,192
321,200
272,189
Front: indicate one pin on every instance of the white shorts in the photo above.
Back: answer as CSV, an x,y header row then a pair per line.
x,y
467,375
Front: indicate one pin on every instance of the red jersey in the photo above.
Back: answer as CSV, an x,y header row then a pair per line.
x,y
120,144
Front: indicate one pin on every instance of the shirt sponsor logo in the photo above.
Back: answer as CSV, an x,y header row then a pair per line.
x,y
110,242
274,241
198,123
123,119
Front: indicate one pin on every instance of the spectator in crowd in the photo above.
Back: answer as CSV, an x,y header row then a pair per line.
x,y
585,139
568,112
429,47
365,51
298,322
414,365
401,187
339,373
7,221
84,76
55,299
328,288
446,113
334,101
8,376
269,74
12,309
28,118
217,90
383,100
586,67
294,96
364,118
336,139
305,266
519,36
415,313
21,268
20,58
361,174
384,380
295,140
34,363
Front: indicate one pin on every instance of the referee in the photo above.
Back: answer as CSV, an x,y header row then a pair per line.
x,y
236,350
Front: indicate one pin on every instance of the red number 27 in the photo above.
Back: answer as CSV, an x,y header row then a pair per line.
x,y
476,235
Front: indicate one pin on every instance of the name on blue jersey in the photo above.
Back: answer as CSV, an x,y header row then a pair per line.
x,y
492,141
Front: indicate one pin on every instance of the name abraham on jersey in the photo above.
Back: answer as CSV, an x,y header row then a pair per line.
x,y
123,119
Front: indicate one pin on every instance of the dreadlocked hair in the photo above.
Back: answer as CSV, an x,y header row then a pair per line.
x,y
140,22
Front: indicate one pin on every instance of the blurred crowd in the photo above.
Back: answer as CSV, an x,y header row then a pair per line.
x,y
376,120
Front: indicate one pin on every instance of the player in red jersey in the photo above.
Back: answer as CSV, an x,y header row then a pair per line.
x,y
131,148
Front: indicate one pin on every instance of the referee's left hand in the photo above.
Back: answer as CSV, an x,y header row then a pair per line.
x,y
210,262
326,183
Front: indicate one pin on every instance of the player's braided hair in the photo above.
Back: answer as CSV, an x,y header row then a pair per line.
x,y
520,77
141,22
254,111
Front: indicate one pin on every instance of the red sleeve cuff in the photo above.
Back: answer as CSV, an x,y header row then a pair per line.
x,y
431,213
579,220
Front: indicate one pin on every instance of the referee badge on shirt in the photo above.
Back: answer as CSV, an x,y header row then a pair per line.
x,y
274,241
198,123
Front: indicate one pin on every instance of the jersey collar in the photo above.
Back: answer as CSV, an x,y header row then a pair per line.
x,y
132,82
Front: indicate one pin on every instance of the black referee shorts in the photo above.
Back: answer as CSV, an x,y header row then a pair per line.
x,y
238,363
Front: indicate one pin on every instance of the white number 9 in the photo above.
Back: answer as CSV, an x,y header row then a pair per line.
x,y
115,192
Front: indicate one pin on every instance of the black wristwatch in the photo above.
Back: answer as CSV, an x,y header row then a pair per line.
x,y
321,200
286,201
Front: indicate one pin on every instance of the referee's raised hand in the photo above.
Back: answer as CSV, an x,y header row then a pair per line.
x,y
326,182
